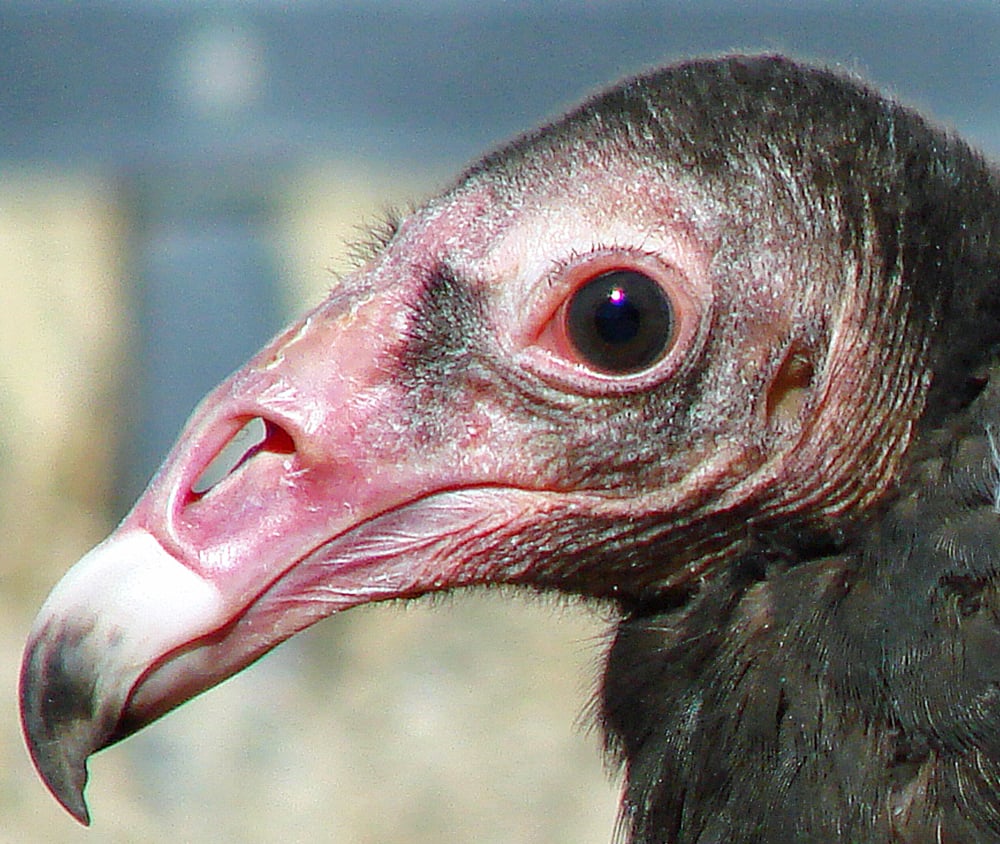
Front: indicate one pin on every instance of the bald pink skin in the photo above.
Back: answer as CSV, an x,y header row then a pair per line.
x,y
274,535
348,463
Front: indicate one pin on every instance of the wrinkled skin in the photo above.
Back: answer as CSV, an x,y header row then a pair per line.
x,y
432,424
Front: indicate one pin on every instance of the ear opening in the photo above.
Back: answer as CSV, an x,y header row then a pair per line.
x,y
790,388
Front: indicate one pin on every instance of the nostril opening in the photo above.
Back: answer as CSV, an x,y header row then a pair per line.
x,y
276,439
255,436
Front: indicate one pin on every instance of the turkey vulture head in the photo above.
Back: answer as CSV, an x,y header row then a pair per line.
x,y
683,341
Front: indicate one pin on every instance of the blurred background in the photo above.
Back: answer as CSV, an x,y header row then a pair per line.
x,y
177,180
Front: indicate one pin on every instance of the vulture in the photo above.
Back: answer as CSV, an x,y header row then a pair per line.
x,y
719,349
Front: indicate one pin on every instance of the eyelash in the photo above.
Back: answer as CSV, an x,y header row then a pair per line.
x,y
375,237
552,281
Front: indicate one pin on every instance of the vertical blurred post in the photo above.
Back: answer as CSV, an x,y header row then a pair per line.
x,y
203,259
206,297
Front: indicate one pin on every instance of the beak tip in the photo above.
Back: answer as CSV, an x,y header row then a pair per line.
x,y
58,739
70,794
76,806
63,770
71,797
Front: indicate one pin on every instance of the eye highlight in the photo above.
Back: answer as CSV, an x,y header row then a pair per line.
x,y
619,322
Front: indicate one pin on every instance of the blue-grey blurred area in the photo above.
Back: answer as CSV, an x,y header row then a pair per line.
x,y
135,84
199,109
177,179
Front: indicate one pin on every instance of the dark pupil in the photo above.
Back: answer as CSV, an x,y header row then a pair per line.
x,y
620,322
617,319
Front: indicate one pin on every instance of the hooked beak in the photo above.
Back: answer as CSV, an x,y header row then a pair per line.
x,y
202,578
125,605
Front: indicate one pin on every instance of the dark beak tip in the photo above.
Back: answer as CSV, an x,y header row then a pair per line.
x,y
78,809
72,800
63,772
74,803
58,746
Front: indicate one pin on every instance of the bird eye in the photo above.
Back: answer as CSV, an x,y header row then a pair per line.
x,y
619,322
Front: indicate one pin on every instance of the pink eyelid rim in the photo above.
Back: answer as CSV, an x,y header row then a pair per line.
x,y
546,349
